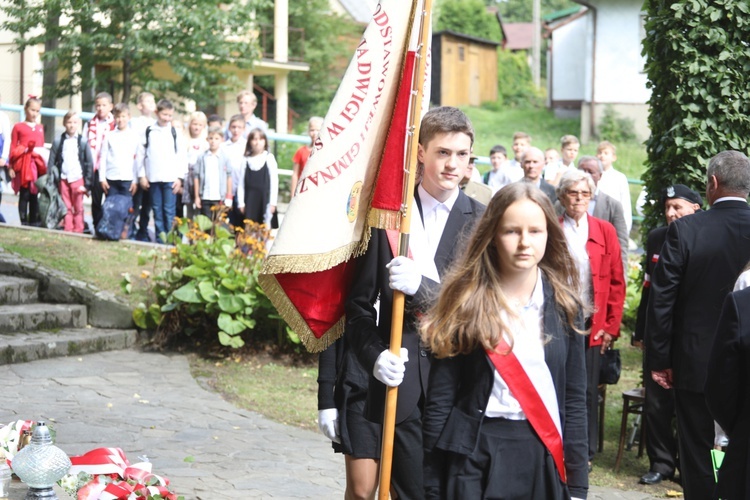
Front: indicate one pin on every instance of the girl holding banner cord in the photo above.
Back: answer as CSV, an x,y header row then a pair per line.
x,y
505,413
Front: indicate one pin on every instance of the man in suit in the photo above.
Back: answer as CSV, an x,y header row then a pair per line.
x,y
661,444
443,213
728,391
604,207
533,163
701,258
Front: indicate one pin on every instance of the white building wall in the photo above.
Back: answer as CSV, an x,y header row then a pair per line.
x,y
617,72
620,76
568,64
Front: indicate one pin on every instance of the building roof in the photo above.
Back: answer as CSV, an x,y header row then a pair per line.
x,y
475,39
518,36
559,14
360,10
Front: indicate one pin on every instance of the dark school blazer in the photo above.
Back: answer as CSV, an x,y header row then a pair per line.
x,y
368,337
460,388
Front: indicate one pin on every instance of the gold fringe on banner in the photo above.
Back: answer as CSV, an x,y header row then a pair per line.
x,y
309,263
384,219
286,309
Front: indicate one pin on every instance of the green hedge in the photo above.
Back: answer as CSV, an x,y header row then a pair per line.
x,y
698,66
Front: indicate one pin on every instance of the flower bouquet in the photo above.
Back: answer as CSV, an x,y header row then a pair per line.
x,y
106,474
12,437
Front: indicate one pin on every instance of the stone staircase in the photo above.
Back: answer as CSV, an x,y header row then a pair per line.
x,y
31,329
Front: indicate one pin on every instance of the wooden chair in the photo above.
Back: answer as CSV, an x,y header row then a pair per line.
x,y
632,404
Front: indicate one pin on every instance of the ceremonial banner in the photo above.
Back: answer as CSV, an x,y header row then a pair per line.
x,y
357,164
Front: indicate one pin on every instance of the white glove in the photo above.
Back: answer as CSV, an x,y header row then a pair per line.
x,y
404,275
228,202
328,423
390,368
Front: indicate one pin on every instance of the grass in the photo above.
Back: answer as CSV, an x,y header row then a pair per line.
x,y
286,393
631,467
497,127
100,263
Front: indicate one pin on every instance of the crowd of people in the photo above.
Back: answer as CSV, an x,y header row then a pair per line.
x,y
515,286
514,289
135,168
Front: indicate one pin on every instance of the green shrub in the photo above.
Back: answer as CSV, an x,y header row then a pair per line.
x,y
615,128
467,16
210,290
634,282
515,85
698,67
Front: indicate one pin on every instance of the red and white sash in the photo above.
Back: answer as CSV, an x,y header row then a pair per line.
x,y
537,412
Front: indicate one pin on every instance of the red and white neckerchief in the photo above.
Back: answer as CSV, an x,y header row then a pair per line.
x,y
98,128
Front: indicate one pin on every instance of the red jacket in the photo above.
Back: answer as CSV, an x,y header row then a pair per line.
x,y
607,277
28,165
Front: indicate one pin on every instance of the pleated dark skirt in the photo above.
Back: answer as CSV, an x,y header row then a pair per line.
x,y
360,438
510,462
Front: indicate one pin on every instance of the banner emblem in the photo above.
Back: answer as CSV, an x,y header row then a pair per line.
x,y
353,204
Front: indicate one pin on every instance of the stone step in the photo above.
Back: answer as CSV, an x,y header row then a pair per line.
x,y
29,317
15,290
23,347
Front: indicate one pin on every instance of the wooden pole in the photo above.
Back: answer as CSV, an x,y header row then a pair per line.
x,y
397,316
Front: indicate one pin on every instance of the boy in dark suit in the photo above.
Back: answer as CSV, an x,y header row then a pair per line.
x,y
446,138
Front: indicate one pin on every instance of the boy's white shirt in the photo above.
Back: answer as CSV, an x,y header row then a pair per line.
x,y
119,151
499,178
161,163
513,170
212,170
551,170
256,163
615,184
139,124
425,237
71,169
235,152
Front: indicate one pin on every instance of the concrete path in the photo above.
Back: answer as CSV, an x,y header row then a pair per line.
x,y
149,404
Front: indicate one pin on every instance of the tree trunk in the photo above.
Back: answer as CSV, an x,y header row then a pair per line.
x,y
49,73
127,83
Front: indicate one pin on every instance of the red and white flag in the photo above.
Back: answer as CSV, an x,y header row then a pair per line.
x,y
352,181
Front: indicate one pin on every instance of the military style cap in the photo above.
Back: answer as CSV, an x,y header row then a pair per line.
x,y
681,191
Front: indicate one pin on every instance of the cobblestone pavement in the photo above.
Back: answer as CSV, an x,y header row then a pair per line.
x,y
149,404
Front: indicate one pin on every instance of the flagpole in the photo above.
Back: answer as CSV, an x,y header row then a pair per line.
x,y
397,316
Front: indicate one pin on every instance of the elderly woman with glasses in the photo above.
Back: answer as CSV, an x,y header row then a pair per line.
x,y
595,248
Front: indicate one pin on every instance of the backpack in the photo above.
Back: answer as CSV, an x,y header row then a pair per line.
x,y
52,208
174,137
115,210
486,178
81,155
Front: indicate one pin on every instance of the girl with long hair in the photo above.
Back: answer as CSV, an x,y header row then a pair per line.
x,y
505,413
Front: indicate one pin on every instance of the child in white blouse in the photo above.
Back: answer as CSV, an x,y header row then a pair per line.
x,y
258,190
